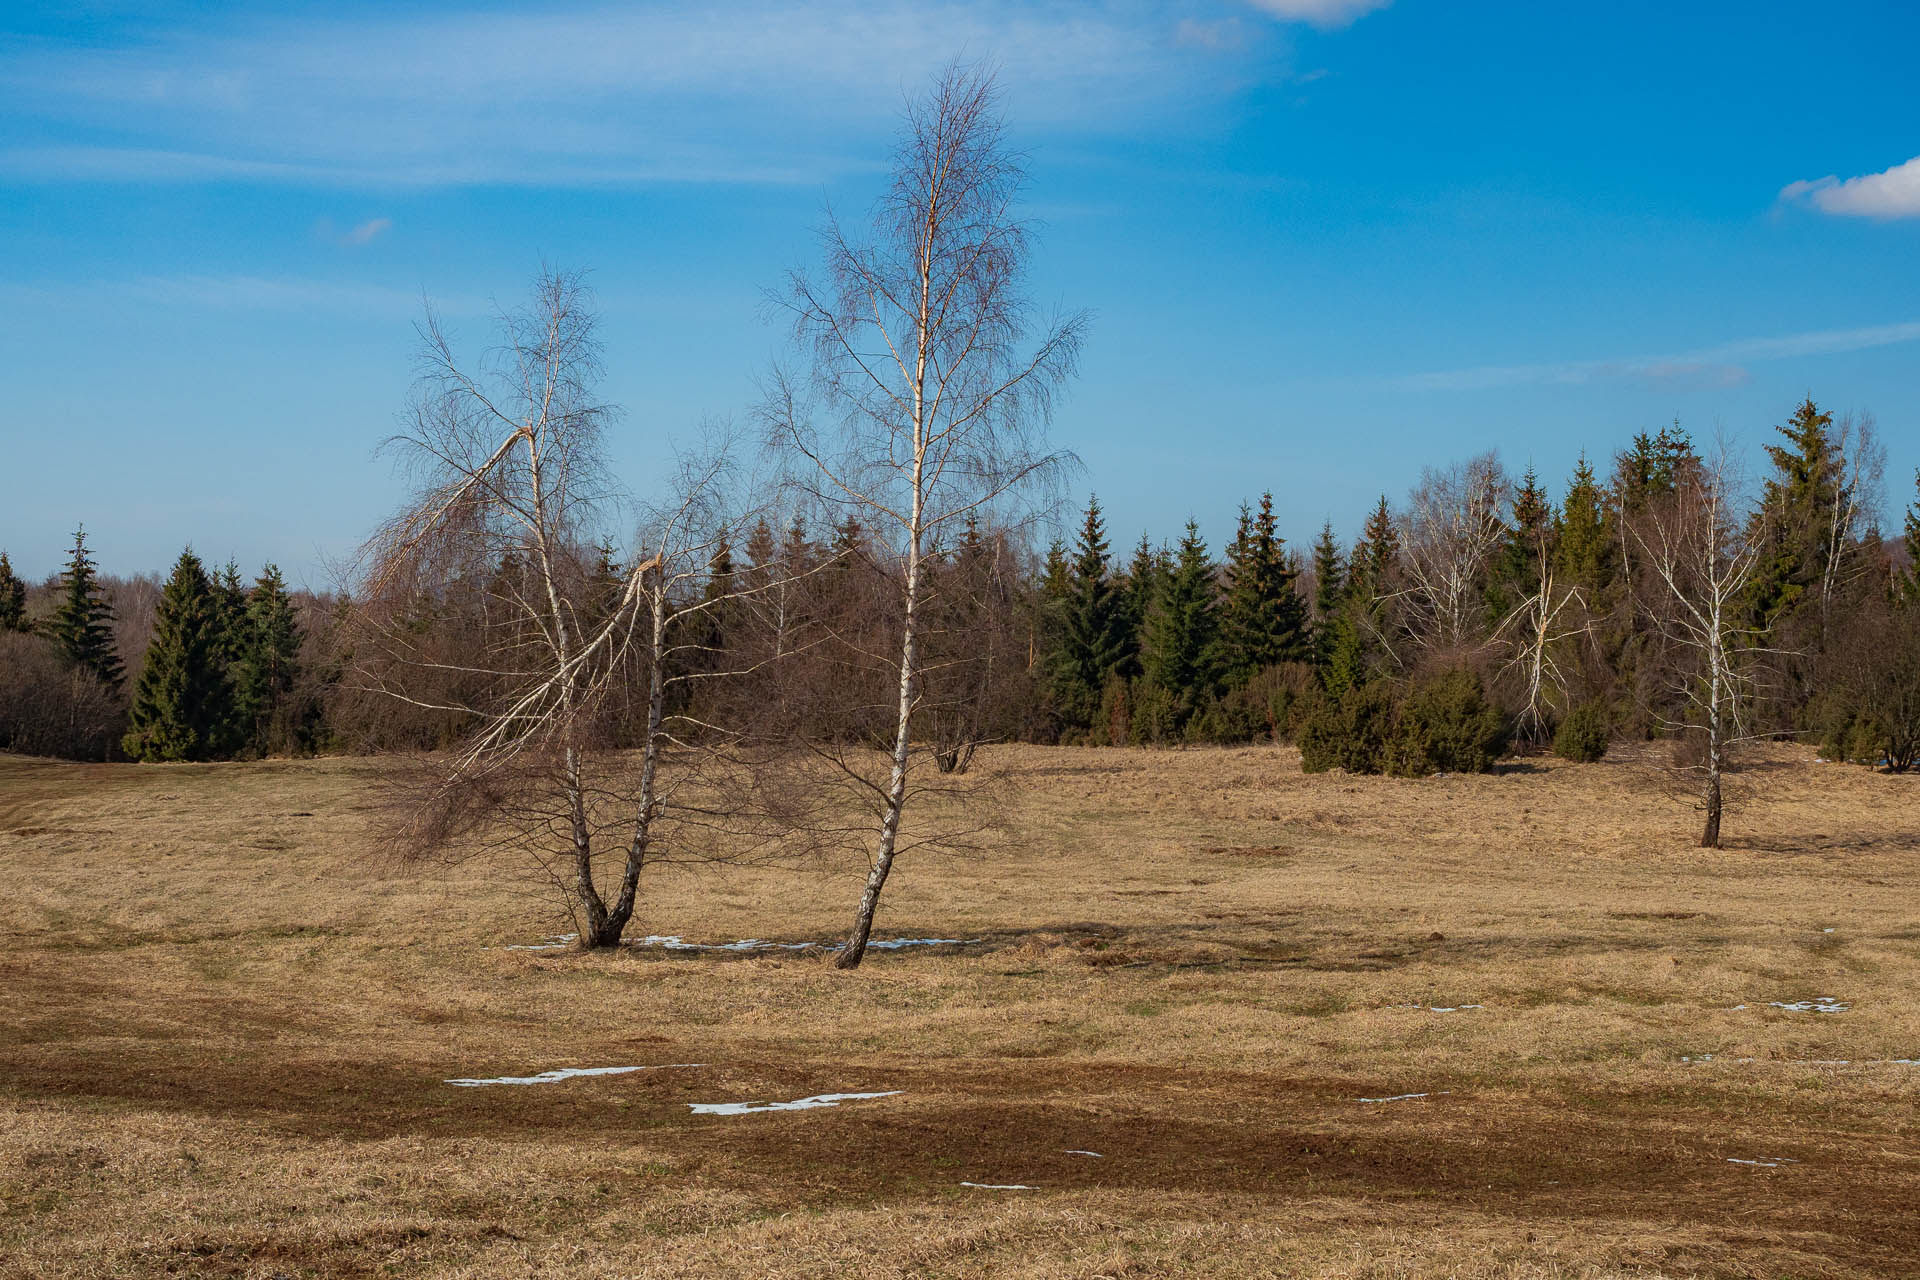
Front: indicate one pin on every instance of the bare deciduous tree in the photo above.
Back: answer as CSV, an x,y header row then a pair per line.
x,y
1700,557
1454,524
930,397
510,486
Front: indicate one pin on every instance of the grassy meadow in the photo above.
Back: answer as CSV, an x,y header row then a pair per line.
x,y
1213,1016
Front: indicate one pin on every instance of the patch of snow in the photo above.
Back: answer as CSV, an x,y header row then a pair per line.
x,y
1767,1162
1095,1154
1403,1097
553,943
892,944
999,1186
673,942
1819,1004
798,1104
567,1073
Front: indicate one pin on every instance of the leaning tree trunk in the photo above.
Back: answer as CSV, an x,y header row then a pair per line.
x,y
856,948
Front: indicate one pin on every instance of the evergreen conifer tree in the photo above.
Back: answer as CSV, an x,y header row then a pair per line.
x,y
270,656
1585,544
1528,540
81,625
182,703
1329,589
13,598
1056,575
1797,504
1263,620
1144,574
1183,633
1094,630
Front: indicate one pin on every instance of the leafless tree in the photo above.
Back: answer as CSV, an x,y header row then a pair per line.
x,y
509,486
1861,463
1454,523
1536,632
1700,556
929,397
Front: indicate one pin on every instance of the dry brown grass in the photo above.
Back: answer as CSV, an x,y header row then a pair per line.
x,y
225,1021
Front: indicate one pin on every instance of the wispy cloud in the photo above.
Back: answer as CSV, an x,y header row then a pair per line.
x,y
238,293
1327,14
353,237
1891,193
593,93
1719,366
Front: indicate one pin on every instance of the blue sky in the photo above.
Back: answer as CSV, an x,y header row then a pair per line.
x,y
1325,242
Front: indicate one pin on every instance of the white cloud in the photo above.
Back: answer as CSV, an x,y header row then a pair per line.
x,y
1326,14
585,94
1710,367
1892,193
368,231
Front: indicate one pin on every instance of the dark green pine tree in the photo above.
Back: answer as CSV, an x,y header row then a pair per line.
x,y
1798,502
182,702
270,657
1367,610
1056,574
1263,620
1906,584
81,625
13,598
1145,572
1095,639
1183,631
230,597
1528,542
1584,553
1329,589
1652,466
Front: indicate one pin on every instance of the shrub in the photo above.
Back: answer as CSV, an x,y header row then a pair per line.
x,y
1582,736
1349,733
1447,725
1265,706
49,707
1155,717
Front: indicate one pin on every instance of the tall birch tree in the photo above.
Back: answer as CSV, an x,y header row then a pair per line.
x,y
929,384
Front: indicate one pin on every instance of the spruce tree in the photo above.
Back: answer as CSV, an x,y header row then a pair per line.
x,y
1094,630
1797,505
1329,588
182,702
1183,633
1528,541
1145,572
81,625
1585,544
1263,620
13,598
270,656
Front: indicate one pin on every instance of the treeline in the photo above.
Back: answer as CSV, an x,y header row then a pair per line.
x,y
1561,614
1481,614
200,667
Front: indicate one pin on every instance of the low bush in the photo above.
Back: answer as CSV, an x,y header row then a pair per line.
x,y
1350,732
1582,736
1446,725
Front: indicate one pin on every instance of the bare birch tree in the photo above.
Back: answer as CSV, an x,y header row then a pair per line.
x,y
1454,524
1700,557
929,397
1535,631
510,486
